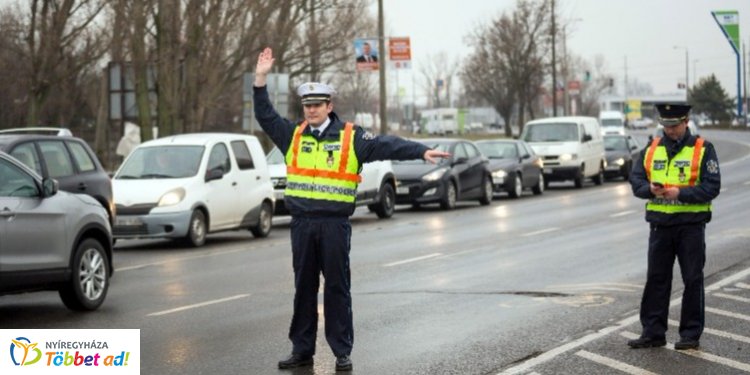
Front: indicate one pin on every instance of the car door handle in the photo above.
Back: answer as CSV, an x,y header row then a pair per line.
x,y
7,213
234,183
257,177
82,186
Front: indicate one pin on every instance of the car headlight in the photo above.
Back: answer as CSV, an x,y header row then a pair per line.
x,y
435,175
566,157
171,198
278,182
619,161
499,174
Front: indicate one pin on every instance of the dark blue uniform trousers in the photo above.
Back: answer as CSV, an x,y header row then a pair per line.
x,y
687,243
321,245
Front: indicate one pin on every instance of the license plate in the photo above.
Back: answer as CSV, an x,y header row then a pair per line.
x,y
128,222
402,190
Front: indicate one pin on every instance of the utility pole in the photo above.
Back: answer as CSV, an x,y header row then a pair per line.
x,y
382,64
554,64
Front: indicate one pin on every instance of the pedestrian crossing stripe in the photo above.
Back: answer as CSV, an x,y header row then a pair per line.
x,y
732,297
615,364
717,332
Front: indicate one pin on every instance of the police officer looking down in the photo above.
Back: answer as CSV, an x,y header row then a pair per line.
x,y
324,157
679,176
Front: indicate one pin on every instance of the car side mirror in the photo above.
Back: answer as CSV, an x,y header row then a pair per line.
x,y
215,174
460,160
586,137
49,187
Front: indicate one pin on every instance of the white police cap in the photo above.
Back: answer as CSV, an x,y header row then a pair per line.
x,y
315,92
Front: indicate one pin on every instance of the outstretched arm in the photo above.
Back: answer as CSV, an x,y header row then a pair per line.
x,y
433,155
265,63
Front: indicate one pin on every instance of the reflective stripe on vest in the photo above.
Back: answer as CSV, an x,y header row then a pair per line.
x,y
325,170
682,171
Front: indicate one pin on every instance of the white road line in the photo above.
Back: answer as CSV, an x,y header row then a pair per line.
x,y
716,332
742,285
736,277
615,364
413,259
540,232
722,190
700,354
729,296
623,213
188,307
552,353
747,183
728,313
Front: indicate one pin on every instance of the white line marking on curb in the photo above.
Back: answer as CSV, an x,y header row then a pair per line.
x,y
700,354
729,296
188,307
728,313
617,365
716,332
552,353
623,213
742,285
540,232
412,259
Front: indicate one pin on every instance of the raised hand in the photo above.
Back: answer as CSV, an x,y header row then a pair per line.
x,y
265,62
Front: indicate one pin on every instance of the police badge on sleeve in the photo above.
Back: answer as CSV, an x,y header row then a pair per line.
x,y
712,167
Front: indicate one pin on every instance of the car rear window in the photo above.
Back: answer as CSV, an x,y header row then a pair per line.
x,y
242,155
26,153
85,163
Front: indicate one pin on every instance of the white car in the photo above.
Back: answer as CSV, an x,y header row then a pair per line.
x,y
377,189
186,186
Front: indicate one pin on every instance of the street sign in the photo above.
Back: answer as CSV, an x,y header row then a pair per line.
x,y
399,52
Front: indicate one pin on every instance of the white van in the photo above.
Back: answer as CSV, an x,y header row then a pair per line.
x,y
613,122
186,186
571,147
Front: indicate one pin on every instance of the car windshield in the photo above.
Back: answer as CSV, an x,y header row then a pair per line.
x,y
498,150
162,162
552,132
615,144
275,157
440,146
607,122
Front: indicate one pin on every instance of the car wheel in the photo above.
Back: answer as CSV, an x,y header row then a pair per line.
x,y
197,229
448,202
89,281
626,172
578,181
538,189
517,189
263,229
486,198
599,178
385,207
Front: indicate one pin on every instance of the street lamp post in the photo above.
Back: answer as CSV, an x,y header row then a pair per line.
x,y
687,74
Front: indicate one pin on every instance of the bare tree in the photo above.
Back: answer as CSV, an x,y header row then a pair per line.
x,y
438,78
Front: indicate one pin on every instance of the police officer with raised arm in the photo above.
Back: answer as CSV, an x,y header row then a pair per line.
x,y
324,157
679,176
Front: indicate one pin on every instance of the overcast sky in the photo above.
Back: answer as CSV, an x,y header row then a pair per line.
x,y
643,31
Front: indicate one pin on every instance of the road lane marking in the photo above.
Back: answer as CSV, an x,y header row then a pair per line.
x,y
728,313
412,259
540,232
554,352
615,364
699,354
623,213
716,332
729,296
747,183
742,285
207,303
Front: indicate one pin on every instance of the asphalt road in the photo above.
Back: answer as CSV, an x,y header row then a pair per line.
x,y
543,284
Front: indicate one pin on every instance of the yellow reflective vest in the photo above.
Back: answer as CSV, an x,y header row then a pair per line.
x,y
322,170
682,170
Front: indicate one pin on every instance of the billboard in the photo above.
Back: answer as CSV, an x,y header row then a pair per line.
x,y
366,54
399,52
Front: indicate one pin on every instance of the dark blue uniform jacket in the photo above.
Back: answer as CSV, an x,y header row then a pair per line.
x,y
705,190
367,147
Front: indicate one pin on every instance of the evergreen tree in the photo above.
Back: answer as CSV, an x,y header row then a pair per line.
x,y
708,97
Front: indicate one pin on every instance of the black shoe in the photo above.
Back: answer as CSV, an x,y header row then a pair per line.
x,y
646,342
686,343
343,363
295,360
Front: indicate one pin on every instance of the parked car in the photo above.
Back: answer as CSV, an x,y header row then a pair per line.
x,y
186,186
620,150
377,190
73,254
463,176
514,166
67,159
571,148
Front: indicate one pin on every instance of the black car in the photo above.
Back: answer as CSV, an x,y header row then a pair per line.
x,y
620,151
463,176
67,159
514,166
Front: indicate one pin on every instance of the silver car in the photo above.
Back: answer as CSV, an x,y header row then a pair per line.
x,y
52,240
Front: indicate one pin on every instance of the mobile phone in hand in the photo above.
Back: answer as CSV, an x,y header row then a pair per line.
x,y
658,184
